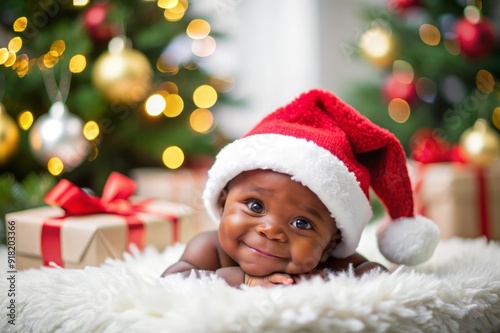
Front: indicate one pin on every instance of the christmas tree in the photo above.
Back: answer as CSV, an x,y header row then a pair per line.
x,y
87,88
438,70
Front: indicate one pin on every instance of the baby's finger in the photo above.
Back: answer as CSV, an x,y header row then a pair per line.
x,y
281,279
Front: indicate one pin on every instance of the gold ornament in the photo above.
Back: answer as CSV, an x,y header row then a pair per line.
x,y
9,136
122,74
480,144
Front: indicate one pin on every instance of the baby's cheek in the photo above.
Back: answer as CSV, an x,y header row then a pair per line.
x,y
304,263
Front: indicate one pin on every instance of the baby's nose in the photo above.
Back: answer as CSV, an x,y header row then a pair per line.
x,y
272,230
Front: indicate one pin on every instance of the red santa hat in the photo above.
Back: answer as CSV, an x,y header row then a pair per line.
x,y
325,144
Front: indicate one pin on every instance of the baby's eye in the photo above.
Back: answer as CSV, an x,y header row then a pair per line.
x,y
256,207
302,224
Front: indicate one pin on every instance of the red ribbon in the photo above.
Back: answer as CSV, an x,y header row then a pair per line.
x,y
482,202
75,202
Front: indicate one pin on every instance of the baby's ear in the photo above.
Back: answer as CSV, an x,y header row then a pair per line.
x,y
336,239
222,199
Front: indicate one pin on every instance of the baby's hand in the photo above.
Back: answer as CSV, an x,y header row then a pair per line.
x,y
309,275
269,280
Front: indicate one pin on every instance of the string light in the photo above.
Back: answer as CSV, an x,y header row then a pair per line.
x,y
201,120
204,47
155,104
403,71
399,110
80,3
91,130
167,4
173,157
175,105
496,117
176,12
198,29
25,120
20,24
485,81
77,63
429,34
55,166
205,96
15,44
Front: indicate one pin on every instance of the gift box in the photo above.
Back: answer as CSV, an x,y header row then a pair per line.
x,y
183,186
461,198
85,230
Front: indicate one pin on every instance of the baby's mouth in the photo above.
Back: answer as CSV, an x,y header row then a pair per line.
x,y
263,253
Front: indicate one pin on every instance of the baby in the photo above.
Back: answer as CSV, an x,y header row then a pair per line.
x,y
291,199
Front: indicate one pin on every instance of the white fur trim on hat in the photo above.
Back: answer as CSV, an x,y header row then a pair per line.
x,y
408,240
313,166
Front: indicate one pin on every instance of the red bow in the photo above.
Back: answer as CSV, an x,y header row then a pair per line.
x,y
75,201
427,147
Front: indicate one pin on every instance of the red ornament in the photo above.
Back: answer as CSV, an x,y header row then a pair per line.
x,y
96,23
476,40
397,6
394,88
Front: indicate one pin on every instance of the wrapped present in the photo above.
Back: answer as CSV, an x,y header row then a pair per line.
x,y
85,229
183,186
460,197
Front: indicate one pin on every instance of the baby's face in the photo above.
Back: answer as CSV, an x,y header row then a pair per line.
x,y
271,223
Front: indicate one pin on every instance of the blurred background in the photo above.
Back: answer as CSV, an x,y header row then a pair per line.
x,y
147,87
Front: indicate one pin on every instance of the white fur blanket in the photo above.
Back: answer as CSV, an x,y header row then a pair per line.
x,y
458,290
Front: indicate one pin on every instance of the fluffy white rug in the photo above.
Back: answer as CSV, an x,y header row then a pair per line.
x,y
458,290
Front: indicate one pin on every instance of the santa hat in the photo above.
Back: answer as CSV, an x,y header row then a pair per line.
x,y
328,146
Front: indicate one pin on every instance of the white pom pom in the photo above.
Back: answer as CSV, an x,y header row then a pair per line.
x,y
408,240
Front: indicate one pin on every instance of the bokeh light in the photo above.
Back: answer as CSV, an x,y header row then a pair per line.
x,y
426,89
11,59
93,152
205,96
485,81
204,47
15,44
77,63
167,64
25,120
403,71
155,104
198,29
376,45
472,14
21,65
173,157
399,110
167,4
175,105
57,48
169,86
55,166
496,117
222,84
176,12
80,3
430,34
452,46
91,130
4,55
201,120
20,24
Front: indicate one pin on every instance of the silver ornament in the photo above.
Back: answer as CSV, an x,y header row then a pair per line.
x,y
59,134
